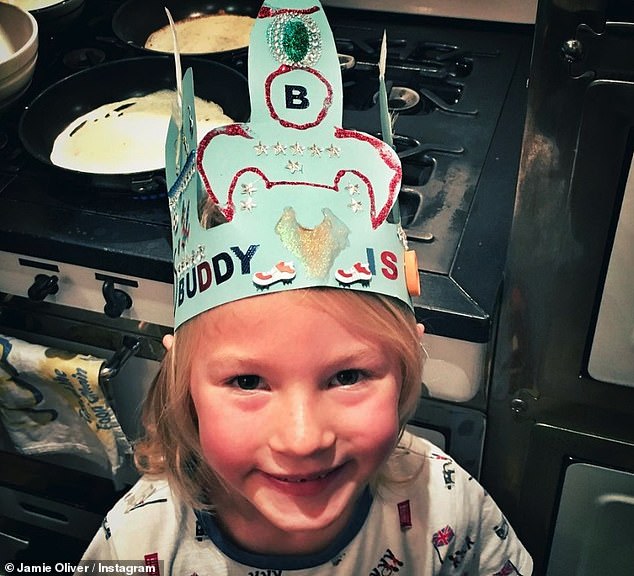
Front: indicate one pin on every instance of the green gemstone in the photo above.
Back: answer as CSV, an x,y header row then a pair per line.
x,y
295,40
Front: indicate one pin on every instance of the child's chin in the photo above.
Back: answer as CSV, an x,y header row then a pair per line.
x,y
303,515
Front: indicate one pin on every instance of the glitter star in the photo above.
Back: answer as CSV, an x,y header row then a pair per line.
x,y
248,204
352,189
198,254
297,149
294,166
261,149
248,189
333,151
315,150
279,149
356,206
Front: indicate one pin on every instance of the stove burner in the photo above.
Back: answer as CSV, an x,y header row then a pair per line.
x,y
400,98
346,62
410,90
82,58
445,60
418,166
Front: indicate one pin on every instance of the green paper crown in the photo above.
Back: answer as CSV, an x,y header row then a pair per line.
x,y
293,199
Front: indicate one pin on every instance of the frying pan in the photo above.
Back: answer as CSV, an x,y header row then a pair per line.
x,y
45,10
63,102
135,20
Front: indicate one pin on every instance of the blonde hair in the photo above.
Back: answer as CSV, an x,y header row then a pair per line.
x,y
171,445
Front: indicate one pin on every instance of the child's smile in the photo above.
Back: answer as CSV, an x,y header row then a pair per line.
x,y
296,413
307,484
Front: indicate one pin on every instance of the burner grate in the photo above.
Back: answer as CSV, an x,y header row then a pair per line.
x,y
422,76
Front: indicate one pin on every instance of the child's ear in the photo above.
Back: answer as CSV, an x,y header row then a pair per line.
x,y
421,330
168,340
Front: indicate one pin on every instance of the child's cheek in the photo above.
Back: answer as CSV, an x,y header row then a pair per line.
x,y
227,433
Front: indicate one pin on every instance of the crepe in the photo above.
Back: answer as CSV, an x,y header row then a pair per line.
x,y
204,34
128,136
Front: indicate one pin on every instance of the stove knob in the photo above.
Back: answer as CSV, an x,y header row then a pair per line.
x,y
43,286
572,51
116,300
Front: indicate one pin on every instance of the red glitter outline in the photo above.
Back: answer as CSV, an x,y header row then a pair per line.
x,y
239,130
389,160
229,130
284,69
267,12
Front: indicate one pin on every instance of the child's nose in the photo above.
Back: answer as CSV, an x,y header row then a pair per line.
x,y
302,426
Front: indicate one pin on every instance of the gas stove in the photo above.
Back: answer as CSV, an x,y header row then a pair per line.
x,y
457,90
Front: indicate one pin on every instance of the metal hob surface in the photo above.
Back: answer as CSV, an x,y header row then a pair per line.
x,y
457,89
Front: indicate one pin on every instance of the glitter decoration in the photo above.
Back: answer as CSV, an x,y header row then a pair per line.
x,y
184,224
261,149
294,166
333,151
356,206
297,149
315,150
316,247
183,180
248,189
402,236
196,256
199,254
248,204
279,149
175,221
294,39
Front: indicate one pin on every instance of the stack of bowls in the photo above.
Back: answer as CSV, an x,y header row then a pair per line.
x,y
18,52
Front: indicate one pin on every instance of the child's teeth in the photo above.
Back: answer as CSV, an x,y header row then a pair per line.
x,y
305,479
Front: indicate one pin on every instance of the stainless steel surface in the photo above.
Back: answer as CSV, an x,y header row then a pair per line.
x,y
595,526
612,349
544,406
83,288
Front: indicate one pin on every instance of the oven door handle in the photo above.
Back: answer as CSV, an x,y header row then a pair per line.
x,y
112,366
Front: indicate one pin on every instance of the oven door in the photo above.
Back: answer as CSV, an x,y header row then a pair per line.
x,y
562,396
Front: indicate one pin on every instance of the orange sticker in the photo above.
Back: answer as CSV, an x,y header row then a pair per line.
x,y
411,273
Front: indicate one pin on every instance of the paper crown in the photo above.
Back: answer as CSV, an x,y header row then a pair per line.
x,y
293,199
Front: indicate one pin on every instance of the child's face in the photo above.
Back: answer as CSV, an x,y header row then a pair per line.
x,y
295,414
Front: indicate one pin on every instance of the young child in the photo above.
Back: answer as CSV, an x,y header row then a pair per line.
x,y
275,432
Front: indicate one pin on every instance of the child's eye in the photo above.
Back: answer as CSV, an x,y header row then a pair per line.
x,y
247,382
347,377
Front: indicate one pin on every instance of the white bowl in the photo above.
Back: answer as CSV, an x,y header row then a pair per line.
x,y
18,51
